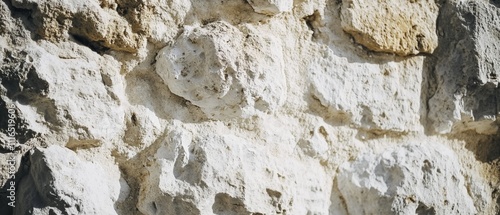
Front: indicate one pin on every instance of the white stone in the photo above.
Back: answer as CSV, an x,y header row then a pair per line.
x,y
250,107
225,174
62,183
373,97
81,96
226,72
413,178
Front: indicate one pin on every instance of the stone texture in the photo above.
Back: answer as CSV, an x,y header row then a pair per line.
x,y
85,21
468,102
251,181
249,107
59,182
226,72
369,96
410,179
393,26
271,7
52,96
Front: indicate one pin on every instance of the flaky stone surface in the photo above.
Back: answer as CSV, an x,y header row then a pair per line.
x,y
400,27
249,107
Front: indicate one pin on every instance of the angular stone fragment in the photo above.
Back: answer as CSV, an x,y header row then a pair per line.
x,y
68,89
271,7
61,183
393,26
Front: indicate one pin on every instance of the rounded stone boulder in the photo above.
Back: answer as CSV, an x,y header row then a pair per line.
x,y
224,71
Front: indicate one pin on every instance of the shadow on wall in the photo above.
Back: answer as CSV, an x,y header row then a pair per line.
x,y
22,17
487,150
224,204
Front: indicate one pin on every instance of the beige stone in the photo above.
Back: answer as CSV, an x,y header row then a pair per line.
x,y
393,26
271,7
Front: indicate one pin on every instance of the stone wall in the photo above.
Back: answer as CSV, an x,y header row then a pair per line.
x,y
249,107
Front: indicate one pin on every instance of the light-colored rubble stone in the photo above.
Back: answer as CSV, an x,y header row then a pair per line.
x,y
369,96
73,81
59,182
226,72
409,179
85,21
201,173
394,26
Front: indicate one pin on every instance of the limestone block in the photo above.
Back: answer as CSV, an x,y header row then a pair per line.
x,y
59,182
189,177
372,97
271,7
87,22
66,90
225,72
409,179
393,26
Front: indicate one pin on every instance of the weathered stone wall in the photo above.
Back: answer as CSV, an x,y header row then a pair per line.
x,y
249,107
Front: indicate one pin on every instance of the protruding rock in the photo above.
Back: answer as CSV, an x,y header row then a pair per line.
x,y
189,177
226,72
65,89
61,183
394,26
86,22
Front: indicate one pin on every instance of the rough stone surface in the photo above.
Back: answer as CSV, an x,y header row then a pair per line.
x,y
254,179
226,72
61,183
249,107
85,21
271,7
469,102
372,97
401,27
404,180
52,96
